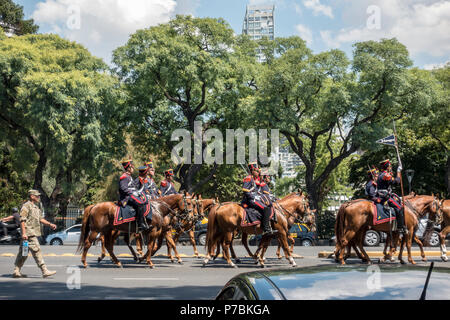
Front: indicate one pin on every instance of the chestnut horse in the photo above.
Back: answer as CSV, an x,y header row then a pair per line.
x,y
355,217
188,225
100,219
444,211
225,218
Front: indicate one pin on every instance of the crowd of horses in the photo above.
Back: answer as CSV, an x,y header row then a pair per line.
x,y
182,211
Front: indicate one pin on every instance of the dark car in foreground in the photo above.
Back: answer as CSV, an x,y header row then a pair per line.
x,y
350,282
300,232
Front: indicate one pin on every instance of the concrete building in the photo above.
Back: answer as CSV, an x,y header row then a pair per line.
x,y
289,161
259,22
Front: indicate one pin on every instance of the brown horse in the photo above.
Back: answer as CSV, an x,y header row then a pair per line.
x,y
188,225
225,218
355,217
308,217
444,211
100,219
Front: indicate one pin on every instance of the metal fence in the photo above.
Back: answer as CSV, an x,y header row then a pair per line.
x,y
74,213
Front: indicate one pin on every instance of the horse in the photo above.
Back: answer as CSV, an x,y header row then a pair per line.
x,y
309,219
188,225
355,217
225,218
99,218
444,211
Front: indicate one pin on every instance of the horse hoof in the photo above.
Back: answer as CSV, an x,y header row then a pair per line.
x,y
233,265
402,262
444,258
180,262
263,266
424,259
279,257
238,260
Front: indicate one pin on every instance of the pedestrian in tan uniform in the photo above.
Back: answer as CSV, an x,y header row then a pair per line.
x,y
30,220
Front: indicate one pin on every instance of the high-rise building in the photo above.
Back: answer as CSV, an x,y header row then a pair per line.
x,y
259,22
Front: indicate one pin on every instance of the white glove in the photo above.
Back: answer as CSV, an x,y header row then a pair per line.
x,y
399,169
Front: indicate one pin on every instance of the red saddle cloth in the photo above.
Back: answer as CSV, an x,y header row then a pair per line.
x,y
252,216
128,214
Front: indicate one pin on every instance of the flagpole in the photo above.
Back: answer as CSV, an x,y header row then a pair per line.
x,y
400,164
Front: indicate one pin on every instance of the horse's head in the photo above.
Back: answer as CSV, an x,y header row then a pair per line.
x,y
310,219
296,204
435,210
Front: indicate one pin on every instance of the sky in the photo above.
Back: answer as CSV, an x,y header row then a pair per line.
x,y
103,25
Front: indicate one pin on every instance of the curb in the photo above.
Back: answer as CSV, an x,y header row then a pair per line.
x,y
328,254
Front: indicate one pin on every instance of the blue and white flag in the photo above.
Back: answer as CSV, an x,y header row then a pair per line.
x,y
390,141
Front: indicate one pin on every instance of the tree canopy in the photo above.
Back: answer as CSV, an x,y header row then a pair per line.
x,y
12,19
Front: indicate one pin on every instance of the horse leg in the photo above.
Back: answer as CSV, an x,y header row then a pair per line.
x,y
103,254
348,236
109,244
128,241
359,242
283,239
139,241
214,238
172,244
150,247
442,236
245,243
264,244
87,245
402,247
420,244
408,246
192,238
169,245
228,238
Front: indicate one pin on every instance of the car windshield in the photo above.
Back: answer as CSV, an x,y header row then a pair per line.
x,y
362,283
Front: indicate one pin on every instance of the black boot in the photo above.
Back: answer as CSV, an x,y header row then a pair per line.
x,y
142,226
267,230
401,221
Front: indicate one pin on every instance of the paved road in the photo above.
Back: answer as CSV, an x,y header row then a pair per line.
x,y
136,281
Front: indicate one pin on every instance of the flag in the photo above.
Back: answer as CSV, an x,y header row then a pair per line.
x,y
390,141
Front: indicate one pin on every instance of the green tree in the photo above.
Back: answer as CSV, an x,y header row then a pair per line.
x,y
316,97
64,107
12,19
187,70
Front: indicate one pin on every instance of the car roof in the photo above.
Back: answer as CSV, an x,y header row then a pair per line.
x,y
376,282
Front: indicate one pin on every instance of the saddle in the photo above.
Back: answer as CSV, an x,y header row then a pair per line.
x,y
253,217
382,214
128,214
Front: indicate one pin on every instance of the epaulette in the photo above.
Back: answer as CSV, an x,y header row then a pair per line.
x,y
124,176
247,178
262,184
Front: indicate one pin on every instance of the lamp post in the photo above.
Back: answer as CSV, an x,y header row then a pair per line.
x,y
409,175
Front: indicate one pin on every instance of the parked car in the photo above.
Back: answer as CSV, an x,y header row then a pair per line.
x,y
69,236
299,231
347,283
199,233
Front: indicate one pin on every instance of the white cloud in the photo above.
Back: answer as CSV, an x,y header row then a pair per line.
x,y
422,25
298,9
305,33
104,25
432,66
318,8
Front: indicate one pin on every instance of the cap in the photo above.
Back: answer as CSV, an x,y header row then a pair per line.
x,y
149,164
143,170
371,172
385,164
127,163
14,210
33,193
253,166
168,172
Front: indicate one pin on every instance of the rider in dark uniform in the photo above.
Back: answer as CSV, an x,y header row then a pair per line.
x,y
264,188
142,180
152,188
371,189
166,187
384,182
128,194
250,188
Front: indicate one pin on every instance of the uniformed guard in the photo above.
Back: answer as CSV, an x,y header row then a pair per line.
x,y
153,188
264,187
371,189
30,225
141,182
384,182
251,198
128,194
166,187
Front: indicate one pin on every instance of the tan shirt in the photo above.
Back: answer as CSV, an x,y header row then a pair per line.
x,y
31,215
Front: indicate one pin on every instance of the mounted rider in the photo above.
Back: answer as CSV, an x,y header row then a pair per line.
x,y
371,189
128,194
166,187
251,198
264,187
384,182
152,187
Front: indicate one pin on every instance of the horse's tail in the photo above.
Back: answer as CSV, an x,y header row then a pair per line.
x,y
212,228
339,225
85,228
